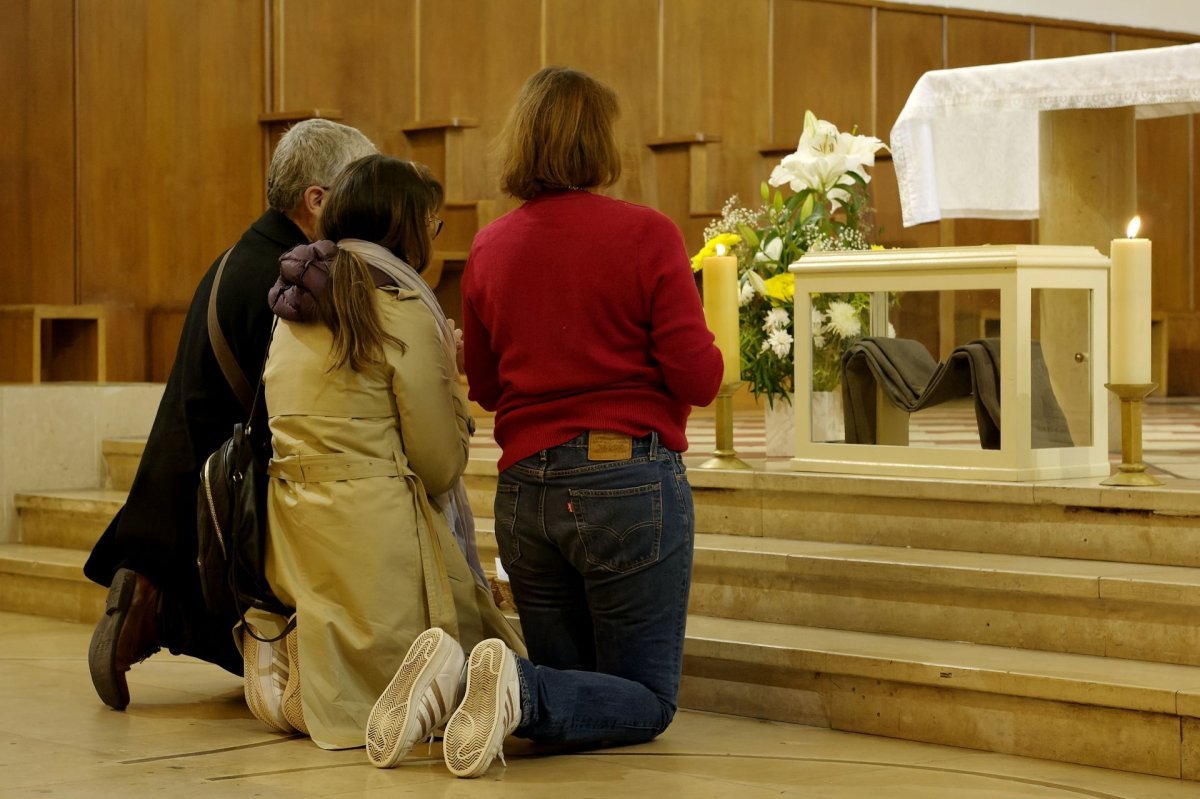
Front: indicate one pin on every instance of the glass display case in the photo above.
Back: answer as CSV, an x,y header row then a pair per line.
x,y
967,362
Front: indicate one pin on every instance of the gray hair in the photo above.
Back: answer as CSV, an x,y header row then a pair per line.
x,y
311,153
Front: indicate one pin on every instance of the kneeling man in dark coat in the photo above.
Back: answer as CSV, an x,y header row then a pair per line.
x,y
147,556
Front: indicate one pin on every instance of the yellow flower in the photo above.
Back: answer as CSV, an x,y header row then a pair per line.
x,y
726,240
781,288
877,247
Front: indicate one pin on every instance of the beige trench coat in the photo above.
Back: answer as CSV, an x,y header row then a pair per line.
x,y
356,543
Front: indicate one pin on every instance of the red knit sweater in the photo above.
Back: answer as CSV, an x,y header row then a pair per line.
x,y
580,312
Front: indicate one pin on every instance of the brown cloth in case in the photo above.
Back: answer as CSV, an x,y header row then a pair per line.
x,y
912,380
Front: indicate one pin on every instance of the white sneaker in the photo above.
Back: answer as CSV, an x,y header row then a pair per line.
x,y
490,710
418,699
293,698
265,670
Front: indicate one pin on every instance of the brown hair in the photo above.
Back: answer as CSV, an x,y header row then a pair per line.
x,y
559,135
382,200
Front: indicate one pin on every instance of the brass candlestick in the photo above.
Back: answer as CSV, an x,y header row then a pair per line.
x,y
724,456
1132,472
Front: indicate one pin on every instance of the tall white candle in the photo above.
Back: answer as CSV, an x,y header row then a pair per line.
x,y
1129,309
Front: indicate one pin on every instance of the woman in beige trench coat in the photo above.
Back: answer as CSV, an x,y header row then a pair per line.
x,y
370,431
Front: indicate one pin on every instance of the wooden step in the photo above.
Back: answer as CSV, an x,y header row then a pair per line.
x,y
48,581
1120,610
1096,711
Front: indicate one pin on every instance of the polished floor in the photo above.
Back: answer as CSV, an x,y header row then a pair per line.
x,y
188,734
1170,434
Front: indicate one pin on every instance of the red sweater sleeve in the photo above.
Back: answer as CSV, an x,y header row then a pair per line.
x,y
680,341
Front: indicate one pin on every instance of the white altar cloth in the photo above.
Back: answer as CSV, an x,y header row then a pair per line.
x,y
966,143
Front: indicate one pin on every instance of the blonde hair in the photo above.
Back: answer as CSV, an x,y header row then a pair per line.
x,y
389,202
559,135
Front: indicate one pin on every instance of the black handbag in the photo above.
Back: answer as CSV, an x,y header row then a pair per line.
x,y
231,518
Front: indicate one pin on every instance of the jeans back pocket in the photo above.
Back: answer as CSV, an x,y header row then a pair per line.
x,y
505,515
620,528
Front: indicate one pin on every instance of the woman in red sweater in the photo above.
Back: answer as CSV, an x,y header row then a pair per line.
x,y
585,334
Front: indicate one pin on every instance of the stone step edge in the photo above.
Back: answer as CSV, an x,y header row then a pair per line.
x,y
950,569
1078,679
1177,498
57,563
1081,679
975,571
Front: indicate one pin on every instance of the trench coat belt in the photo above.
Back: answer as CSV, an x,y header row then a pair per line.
x,y
331,467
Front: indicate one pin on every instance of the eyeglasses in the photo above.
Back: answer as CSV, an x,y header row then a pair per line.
x,y
436,224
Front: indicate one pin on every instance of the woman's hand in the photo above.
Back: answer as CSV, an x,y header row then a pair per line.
x,y
458,345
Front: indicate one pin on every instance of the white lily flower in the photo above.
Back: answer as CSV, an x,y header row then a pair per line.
x,y
825,158
746,293
770,251
760,285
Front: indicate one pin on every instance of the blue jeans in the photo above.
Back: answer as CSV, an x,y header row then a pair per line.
x,y
600,558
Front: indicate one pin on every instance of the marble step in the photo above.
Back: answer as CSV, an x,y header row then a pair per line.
x,y
1076,519
72,518
1132,611
1097,711
1115,713
48,581
1120,610
121,458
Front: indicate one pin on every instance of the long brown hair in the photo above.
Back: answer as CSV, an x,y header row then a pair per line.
x,y
389,202
559,135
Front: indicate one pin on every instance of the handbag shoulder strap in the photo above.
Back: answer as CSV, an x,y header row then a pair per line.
x,y
229,365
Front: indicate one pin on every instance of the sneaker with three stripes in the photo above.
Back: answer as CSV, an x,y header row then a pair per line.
x,y
418,699
490,710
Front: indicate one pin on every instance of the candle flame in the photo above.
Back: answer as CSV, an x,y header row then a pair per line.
x,y
1135,225
721,249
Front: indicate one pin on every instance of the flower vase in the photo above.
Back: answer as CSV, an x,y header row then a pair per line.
x,y
828,423
781,427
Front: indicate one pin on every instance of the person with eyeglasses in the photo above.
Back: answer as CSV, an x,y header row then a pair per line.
x,y
370,536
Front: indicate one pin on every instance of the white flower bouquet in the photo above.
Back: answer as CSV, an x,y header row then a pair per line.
x,y
827,210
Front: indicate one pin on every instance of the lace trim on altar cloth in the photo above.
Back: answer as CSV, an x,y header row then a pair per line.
x,y
968,138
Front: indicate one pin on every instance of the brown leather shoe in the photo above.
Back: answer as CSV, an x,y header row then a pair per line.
x,y
127,634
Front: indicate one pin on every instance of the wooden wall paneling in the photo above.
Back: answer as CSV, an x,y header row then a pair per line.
x,y
822,63
973,42
889,226
1054,42
475,55
37,163
1184,354
359,58
714,79
615,41
1163,193
170,168
907,46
